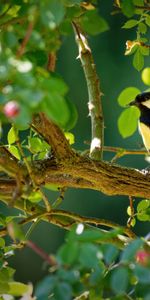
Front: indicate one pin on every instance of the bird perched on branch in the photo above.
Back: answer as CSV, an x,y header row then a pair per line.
x,y
142,101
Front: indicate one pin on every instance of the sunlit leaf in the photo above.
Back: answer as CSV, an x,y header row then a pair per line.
x,y
138,60
128,121
128,95
130,24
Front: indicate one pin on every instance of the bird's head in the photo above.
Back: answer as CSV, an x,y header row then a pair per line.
x,y
141,100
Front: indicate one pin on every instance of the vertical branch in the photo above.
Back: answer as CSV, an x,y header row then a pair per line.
x,y
94,93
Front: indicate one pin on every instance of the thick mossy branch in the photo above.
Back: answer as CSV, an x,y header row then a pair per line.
x,y
67,168
82,172
94,93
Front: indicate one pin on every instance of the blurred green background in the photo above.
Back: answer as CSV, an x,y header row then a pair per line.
x,y
116,72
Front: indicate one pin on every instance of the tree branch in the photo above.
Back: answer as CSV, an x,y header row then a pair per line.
x,y
53,136
95,106
82,172
66,220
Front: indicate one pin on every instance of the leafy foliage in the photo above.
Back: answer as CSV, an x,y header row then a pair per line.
x,y
100,270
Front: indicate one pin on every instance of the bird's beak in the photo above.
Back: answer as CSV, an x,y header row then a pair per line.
x,y
131,103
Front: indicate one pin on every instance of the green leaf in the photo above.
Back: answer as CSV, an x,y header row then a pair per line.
x,y
147,20
142,28
143,217
129,252
63,291
90,236
128,95
138,60
89,255
2,242
127,8
120,280
12,136
45,287
130,24
143,205
70,137
68,253
17,288
129,211
142,273
15,152
93,24
4,287
128,121
52,13
97,274
144,50
35,144
110,253
34,197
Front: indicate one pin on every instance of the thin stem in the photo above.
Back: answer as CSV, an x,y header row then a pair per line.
x,y
22,47
51,62
142,7
49,259
94,105
123,151
94,221
65,219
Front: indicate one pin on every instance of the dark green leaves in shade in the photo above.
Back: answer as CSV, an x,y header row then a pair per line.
x,y
130,251
93,24
36,90
45,287
120,280
128,119
52,13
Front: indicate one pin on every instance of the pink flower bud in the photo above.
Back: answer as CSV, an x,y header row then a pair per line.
x,y
142,257
11,109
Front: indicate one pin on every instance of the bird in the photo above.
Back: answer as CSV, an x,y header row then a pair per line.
x,y
142,102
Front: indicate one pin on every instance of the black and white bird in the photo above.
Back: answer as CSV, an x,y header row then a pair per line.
x,y
142,101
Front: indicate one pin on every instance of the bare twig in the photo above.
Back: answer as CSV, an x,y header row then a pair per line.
x,y
95,106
